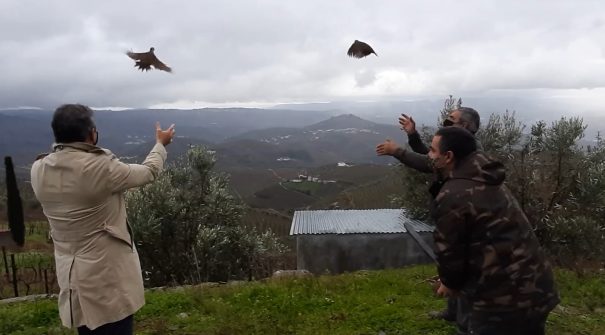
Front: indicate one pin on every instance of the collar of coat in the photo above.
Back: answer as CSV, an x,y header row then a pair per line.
x,y
82,146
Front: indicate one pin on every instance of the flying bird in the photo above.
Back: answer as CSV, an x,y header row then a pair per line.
x,y
360,49
144,61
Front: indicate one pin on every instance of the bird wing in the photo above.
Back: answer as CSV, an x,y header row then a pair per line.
x,y
137,55
159,65
352,50
360,49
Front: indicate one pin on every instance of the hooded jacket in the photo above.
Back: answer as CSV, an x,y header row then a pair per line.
x,y
484,243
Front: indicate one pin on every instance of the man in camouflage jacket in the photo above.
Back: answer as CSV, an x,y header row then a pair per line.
x,y
465,117
485,247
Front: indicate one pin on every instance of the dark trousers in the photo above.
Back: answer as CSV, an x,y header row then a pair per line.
x,y
452,306
460,307
517,322
122,327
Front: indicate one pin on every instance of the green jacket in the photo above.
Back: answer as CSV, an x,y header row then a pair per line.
x,y
484,243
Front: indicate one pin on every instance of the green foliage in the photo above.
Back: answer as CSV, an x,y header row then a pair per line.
x,y
501,134
449,105
559,185
572,238
187,226
365,302
413,195
590,181
551,177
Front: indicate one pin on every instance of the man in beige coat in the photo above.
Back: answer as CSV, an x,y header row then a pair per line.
x,y
81,188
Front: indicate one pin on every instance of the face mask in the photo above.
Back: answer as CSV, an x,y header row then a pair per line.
x,y
434,163
437,166
448,122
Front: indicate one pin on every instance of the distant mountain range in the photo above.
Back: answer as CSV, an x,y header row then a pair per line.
x,y
241,137
261,149
287,136
343,138
425,111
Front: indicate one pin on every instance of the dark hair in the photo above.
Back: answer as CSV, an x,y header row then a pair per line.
x,y
71,123
471,117
457,140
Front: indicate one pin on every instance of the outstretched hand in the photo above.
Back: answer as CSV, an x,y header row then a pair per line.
x,y
387,148
407,124
164,136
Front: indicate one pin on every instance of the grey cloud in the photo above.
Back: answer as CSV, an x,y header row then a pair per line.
x,y
263,51
364,77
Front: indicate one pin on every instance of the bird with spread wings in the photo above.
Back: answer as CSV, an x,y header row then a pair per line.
x,y
145,60
360,49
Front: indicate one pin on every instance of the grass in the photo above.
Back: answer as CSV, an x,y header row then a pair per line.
x,y
366,302
307,187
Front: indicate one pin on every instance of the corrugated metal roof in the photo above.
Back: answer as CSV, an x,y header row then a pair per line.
x,y
371,221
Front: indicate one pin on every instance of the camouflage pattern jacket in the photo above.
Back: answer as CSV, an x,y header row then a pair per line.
x,y
484,243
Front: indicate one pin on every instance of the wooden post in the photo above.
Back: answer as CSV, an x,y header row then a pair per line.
x,y
14,268
5,264
46,289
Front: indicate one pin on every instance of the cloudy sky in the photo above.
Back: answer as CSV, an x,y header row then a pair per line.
x,y
245,53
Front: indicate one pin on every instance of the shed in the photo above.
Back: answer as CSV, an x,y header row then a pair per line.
x,y
338,241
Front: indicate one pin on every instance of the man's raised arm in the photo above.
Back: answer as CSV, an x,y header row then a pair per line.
x,y
123,176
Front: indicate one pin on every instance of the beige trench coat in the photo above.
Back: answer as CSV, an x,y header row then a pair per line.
x,y
81,189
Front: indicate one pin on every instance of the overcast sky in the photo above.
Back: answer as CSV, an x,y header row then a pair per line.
x,y
265,52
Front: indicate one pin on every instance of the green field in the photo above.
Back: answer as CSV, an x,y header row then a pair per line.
x,y
366,302
306,187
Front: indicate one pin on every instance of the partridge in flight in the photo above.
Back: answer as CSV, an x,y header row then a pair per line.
x,y
360,49
145,60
